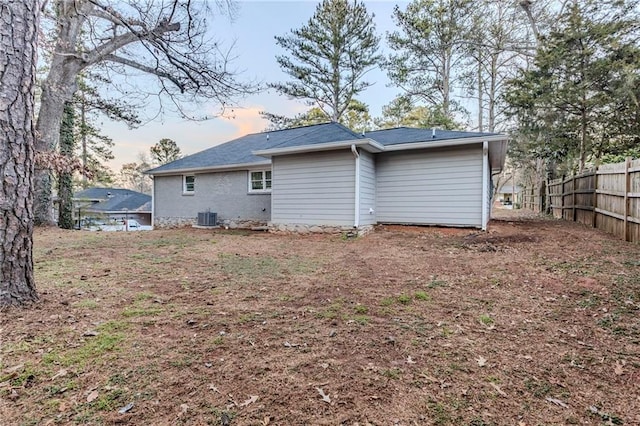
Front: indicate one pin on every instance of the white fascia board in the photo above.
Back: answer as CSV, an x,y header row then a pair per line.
x,y
115,211
221,168
445,142
366,144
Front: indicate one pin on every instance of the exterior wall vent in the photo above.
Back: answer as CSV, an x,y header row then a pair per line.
x,y
207,219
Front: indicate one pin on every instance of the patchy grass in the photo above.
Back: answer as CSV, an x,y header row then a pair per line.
x,y
421,295
248,269
96,348
407,325
486,320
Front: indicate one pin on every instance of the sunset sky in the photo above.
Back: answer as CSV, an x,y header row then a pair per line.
x,y
252,34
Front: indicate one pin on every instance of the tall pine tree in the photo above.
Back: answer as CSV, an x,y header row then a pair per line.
x,y
329,56
430,50
19,57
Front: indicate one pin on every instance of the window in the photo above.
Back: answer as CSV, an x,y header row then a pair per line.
x,y
188,184
260,181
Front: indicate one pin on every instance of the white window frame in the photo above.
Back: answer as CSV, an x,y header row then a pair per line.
x,y
264,181
185,190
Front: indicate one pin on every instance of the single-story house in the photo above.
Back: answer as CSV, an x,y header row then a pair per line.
x,y
107,204
327,176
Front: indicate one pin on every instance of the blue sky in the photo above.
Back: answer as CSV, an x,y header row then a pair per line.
x,y
252,33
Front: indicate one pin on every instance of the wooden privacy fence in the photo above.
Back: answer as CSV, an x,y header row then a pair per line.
x,y
533,199
606,198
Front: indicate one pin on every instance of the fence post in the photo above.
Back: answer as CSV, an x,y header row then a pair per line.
x,y
573,198
594,218
627,189
562,198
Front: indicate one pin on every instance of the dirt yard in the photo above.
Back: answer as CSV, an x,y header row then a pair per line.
x,y
536,322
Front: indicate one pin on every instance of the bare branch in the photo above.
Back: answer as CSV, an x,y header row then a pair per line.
x,y
144,68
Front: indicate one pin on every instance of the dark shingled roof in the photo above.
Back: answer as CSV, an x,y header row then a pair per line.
x,y
114,199
238,151
102,193
137,202
401,135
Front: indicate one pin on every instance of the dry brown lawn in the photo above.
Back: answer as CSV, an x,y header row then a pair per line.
x,y
534,323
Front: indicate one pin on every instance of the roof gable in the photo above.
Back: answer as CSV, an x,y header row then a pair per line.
x,y
114,199
134,202
102,193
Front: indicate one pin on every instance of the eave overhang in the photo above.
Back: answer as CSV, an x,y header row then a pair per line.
x,y
220,168
366,144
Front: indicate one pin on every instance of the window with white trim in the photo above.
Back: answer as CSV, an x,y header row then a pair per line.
x,y
188,184
260,181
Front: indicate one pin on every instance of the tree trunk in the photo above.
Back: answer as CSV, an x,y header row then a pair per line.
x,y
446,80
480,93
65,178
56,90
18,58
493,92
583,117
83,136
526,5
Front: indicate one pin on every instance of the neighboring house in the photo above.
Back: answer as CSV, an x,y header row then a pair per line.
x,y
109,204
509,195
327,176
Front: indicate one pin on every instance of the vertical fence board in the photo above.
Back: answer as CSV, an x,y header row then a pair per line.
x,y
606,198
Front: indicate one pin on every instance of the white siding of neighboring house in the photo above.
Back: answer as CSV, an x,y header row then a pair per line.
x,y
431,187
367,188
314,189
225,193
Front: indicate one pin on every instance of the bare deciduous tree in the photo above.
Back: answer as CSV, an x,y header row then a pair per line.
x,y
166,39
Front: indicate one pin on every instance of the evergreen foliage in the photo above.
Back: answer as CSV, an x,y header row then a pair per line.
x,y
328,57
401,112
430,51
165,151
578,103
356,118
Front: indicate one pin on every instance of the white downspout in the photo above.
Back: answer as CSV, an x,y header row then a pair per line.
x,y
356,219
485,183
153,201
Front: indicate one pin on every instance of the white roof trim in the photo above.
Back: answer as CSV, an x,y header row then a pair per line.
x,y
115,211
220,168
375,147
368,144
444,142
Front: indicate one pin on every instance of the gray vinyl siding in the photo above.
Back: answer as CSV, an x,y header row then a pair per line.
x,y
367,188
430,187
314,189
225,193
